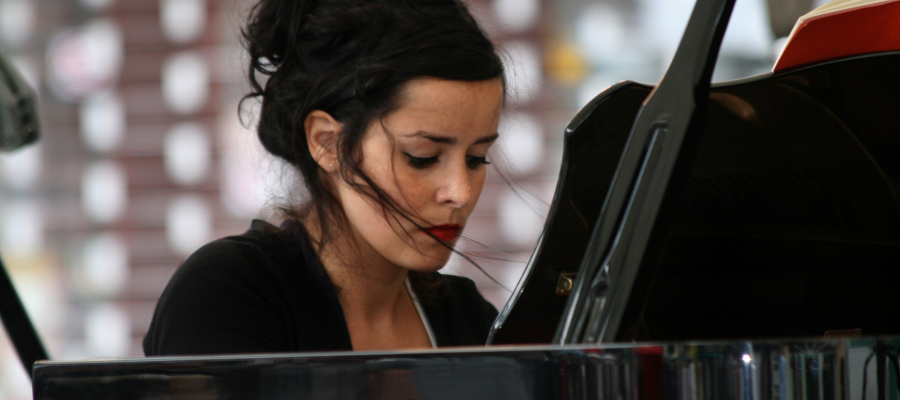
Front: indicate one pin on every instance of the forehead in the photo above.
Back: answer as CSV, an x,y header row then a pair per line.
x,y
448,107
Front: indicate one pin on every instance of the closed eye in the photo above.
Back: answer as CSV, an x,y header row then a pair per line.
x,y
474,162
421,162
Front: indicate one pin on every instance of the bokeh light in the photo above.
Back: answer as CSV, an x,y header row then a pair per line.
x,y
188,223
187,153
102,121
104,191
185,82
182,21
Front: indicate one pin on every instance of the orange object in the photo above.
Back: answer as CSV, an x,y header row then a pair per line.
x,y
868,28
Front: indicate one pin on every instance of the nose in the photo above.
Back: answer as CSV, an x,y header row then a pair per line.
x,y
455,190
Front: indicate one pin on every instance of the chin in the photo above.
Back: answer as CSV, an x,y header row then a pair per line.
x,y
429,262
425,255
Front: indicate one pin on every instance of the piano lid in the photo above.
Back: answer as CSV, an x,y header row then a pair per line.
x,y
787,223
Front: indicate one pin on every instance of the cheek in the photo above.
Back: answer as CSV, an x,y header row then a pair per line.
x,y
478,183
360,210
409,188
409,191
413,191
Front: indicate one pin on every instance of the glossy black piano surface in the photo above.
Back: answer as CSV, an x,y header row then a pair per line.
x,y
788,223
798,369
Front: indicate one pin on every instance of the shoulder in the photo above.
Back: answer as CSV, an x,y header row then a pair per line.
x,y
461,316
261,241
463,292
259,257
261,246
459,286
222,289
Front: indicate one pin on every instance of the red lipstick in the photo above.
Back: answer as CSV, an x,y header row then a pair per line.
x,y
445,233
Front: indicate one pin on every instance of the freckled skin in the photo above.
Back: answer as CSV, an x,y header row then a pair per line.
x,y
436,118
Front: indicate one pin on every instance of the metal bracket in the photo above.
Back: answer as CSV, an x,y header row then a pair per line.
x,y
565,283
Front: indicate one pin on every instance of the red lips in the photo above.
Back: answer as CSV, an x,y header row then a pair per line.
x,y
445,232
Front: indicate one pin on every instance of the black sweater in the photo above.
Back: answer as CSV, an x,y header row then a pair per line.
x,y
263,291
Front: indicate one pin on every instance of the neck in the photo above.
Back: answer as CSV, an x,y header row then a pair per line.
x,y
369,287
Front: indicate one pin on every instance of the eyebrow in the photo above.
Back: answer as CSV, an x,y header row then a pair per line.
x,y
451,140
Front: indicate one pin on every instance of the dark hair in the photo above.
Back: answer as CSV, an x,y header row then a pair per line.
x,y
351,59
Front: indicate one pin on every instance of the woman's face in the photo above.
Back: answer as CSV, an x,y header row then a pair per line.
x,y
429,157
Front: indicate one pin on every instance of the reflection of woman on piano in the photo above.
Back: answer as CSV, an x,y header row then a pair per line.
x,y
387,110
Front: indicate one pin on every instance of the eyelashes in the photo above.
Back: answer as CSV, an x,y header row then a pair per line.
x,y
472,162
421,162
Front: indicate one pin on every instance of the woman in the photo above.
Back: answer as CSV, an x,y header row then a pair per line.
x,y
387,109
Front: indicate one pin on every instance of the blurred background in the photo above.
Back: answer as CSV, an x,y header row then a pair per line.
x,y
143,158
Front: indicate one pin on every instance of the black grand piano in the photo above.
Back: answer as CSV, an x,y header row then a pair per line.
x,y
693,224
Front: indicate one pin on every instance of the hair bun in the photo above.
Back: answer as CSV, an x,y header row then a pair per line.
x,y
272,30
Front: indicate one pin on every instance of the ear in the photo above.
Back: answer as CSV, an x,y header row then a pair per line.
x,y
322,131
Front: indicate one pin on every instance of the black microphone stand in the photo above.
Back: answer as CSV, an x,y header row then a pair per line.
x,y
18,127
